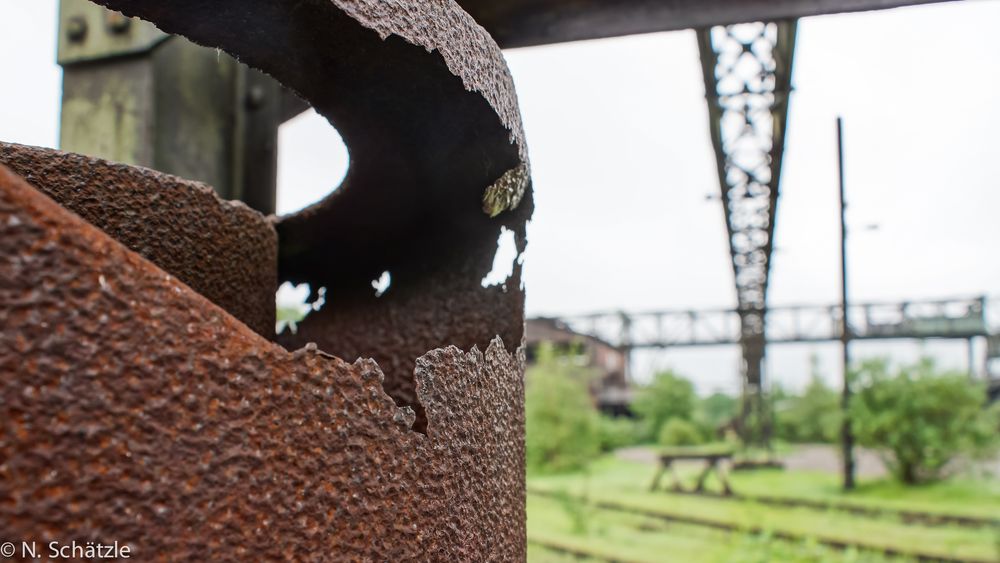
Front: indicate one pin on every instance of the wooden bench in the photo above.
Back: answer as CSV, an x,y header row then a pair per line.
x,y
712,463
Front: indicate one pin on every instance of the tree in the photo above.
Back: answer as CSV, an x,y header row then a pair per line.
x,y
561,431
667,396
921,418
812,417
616,432
679,432
714,412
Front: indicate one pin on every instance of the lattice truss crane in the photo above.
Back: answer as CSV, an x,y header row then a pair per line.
x,y
747,71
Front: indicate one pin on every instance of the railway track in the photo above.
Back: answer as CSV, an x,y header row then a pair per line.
x,y
907,516
832,542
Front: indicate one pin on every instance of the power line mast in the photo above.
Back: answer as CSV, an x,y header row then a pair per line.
x,y
847,434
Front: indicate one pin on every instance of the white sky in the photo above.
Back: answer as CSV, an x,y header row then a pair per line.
x,y
617,131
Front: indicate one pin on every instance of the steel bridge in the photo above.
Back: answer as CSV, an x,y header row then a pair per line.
x,y
961,318
952,319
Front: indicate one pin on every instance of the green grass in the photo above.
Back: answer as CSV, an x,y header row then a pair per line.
x,y
626,483
961,496
964,497
541,554
625,537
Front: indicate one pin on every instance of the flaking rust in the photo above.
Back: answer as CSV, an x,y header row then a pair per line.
x,y
423,99
137,410
506,193
224,250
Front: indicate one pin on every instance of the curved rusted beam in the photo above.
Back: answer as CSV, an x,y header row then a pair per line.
x,y
223,250
419,92
425,104
133,410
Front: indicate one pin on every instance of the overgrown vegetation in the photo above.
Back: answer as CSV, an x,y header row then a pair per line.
x,y
812,417
616,432
670,413
616,533
561,423
921,418
714,413
679,432
667,397
625,537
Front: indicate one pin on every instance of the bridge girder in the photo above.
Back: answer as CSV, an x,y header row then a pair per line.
x,y
523,23
958,318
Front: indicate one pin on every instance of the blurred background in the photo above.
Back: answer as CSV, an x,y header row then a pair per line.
x,y
674,414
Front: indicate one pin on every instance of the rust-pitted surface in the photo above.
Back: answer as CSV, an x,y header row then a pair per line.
x,y
420,311
135,410
224,250
423,99
139,412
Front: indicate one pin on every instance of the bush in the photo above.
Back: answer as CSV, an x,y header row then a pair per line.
x,y
714,412
561,431
679,432
667,396
920,417
812,417
614,433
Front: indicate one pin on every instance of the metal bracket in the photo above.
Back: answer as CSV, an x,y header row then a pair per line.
x,y
135,95
88,32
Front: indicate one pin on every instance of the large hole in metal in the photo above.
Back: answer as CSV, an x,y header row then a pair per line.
x,y
381,284
504,259
294,305
312,161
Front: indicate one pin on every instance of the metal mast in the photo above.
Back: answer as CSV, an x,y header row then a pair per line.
x,y
747,71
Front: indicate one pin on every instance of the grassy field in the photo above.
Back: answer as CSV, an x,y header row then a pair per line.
x,y
623,521
961,497
626,537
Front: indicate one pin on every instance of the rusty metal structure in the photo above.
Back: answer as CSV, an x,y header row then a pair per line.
x,y
993,367
747,70
522,23
957,319
136,95
224,251
145,400
145,397
137,411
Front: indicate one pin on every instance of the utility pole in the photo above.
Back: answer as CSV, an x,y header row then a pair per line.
x,y
847,434
971,351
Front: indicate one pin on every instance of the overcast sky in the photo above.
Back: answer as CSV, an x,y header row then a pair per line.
x,y
622,161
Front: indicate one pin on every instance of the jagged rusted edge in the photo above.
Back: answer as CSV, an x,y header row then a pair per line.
x,y
425,103
134,410
472,55
296,41
468,49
